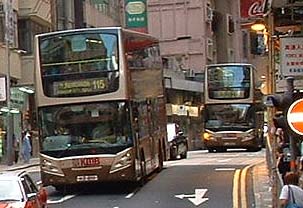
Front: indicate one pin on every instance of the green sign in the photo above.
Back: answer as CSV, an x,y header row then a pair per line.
x,y
136,15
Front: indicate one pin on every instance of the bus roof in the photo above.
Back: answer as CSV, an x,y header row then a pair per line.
x,y
94,29
229,64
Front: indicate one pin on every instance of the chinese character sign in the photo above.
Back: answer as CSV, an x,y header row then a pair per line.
x,y
9,21
291,56
136,15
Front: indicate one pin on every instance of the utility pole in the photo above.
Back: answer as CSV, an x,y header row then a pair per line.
x,y
8,40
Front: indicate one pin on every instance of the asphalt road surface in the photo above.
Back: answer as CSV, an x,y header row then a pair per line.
x,y
202,180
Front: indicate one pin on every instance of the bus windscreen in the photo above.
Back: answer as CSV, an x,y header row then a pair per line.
x,y
79,64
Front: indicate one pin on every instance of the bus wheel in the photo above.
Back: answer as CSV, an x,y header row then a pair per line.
x,y
221,149
160,159
211,150
143,179
60,188
173,152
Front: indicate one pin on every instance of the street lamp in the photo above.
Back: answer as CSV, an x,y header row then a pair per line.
x,y
258,26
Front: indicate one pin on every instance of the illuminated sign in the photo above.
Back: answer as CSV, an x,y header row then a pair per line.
x,y
228,94
80,86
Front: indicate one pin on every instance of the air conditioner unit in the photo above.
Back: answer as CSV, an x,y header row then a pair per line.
x,y
209,14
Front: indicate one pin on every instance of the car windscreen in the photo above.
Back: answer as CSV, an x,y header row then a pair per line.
x,y
10,190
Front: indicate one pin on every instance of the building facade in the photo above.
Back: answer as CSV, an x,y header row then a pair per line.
x,y
192,34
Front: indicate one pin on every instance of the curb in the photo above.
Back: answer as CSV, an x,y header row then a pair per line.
x,y
22,167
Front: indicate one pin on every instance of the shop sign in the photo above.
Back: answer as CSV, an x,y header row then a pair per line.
x,y
2,89
252,8
291,56
182,110
136,15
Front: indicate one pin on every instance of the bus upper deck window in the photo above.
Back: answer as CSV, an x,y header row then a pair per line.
x,y
78,43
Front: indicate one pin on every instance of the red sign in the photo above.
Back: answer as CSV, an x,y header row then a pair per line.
x,y
295,116
252,8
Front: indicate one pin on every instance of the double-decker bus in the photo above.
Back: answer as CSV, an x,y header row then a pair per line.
x,y
233,110
100,106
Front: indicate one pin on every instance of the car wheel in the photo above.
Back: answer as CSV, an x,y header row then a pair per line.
x,y
184,154
173,153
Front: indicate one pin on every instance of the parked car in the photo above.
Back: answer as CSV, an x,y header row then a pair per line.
x,y
17,190
178,144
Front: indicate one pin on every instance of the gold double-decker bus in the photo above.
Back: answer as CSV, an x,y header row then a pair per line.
x,y
101,106
233,110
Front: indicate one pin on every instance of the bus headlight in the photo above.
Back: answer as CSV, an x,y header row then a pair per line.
x,y
121,162
51,168
207,136
249,136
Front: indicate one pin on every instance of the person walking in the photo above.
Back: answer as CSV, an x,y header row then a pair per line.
x,y
291,194
26,147
16,146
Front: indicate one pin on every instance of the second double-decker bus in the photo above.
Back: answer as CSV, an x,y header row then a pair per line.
x,y
101,106
233,111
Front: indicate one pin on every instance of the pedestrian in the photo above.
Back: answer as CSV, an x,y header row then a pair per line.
x,y
291,194
283,161
16,146
26,147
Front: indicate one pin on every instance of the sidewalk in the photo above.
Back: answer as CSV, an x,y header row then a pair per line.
x,y
33,162
262,186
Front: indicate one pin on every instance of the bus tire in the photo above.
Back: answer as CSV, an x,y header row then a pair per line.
x,y
211,150
160,158
143,179
60,188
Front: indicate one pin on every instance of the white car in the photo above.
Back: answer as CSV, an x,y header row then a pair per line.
x,y
17,190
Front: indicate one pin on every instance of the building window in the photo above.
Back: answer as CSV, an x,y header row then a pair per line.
x,y
230,24
27,31
13,24
231,55
245,41
2,29
210,48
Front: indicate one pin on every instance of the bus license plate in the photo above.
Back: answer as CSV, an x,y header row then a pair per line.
x,y
87,162
229,143
87,178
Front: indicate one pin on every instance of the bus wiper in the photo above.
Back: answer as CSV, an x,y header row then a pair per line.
x,y
66,150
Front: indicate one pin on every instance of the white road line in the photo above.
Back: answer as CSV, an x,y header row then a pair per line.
x,y
65,198
225,169
130,195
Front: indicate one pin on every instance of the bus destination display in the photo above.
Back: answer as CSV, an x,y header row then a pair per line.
x,y
80,86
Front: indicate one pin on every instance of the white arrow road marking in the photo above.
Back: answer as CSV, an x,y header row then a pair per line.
x,y
65,198
196,198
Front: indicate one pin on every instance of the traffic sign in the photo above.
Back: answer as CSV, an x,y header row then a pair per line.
x,y
295,116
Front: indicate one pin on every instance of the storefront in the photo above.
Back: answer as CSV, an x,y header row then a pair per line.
x,y
18,106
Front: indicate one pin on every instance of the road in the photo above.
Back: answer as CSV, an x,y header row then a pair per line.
x,y
202,180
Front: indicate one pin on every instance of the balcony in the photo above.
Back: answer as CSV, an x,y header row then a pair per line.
x,y
39,10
